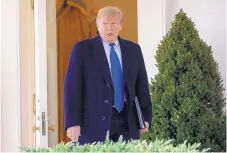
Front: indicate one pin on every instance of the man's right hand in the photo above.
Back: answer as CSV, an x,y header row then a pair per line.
x,y
73,133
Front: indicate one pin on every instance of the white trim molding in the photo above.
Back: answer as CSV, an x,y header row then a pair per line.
x,y
27,67
0,73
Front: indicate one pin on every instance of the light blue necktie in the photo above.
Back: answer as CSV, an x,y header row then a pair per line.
x,y
117,79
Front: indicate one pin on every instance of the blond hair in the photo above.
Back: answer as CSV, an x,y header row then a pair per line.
x,y
109,11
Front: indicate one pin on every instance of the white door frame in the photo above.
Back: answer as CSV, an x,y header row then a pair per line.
x,y
46,73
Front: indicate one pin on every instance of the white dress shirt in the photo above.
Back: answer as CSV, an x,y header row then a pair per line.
x,y
107,49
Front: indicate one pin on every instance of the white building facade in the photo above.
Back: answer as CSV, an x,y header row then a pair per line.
x,y
17,53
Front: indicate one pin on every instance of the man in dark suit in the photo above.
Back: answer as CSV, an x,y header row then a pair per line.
x,y
104,76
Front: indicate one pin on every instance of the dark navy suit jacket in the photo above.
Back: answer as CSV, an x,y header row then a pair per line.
x,y
88,89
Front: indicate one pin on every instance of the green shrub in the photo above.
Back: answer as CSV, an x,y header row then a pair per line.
x,y
120,146
187,93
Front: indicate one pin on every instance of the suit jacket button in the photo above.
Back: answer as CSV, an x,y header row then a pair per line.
x,y
105,101
103,117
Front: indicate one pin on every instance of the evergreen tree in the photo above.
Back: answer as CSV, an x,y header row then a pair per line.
x,y
187,93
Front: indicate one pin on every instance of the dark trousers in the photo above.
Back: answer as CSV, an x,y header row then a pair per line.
x,y
119,125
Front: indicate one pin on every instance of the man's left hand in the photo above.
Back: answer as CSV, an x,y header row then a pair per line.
x,y
146,129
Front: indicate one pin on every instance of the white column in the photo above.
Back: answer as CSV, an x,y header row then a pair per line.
x,y
151,28
10,77
16,71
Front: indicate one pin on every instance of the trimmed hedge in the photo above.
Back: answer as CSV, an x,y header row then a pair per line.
x,y
121,146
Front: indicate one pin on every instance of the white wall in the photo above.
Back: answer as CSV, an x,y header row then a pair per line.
x,y
151,28
155,17
209,17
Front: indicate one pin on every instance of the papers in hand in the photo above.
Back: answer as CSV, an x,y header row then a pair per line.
x,y
139,114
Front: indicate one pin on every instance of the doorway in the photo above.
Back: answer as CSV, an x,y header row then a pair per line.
x,y
67,22
75,21
73,25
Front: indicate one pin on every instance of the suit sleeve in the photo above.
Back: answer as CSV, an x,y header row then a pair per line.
x,y
73,89
142,90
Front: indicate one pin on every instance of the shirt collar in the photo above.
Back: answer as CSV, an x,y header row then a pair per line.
x,y
116,42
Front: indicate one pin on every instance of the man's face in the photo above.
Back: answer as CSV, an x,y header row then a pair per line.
x,y
109,28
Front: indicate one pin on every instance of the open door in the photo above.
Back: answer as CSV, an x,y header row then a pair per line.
x,y
45,128
41,128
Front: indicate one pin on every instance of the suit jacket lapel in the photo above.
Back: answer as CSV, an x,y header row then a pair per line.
x,y
125,57
101,60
